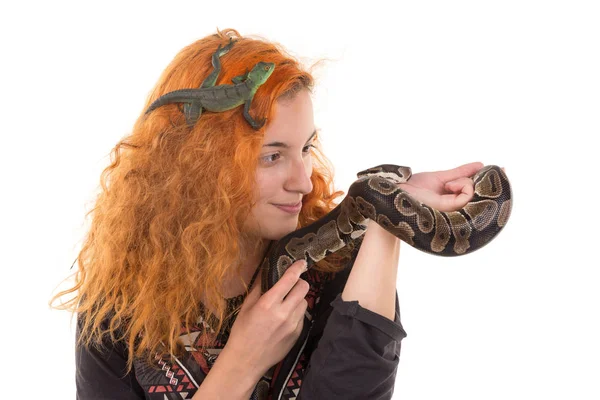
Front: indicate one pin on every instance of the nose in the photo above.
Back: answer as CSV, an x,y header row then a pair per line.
x,y
299,176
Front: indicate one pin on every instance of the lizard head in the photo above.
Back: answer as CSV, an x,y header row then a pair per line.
x,y
261,72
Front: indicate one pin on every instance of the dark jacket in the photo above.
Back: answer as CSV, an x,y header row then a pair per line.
x,y
344,352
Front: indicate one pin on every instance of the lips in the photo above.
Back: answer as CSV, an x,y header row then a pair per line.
x,y
290,204
293,209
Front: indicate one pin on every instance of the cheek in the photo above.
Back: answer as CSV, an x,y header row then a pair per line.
x,y
268,185
265,189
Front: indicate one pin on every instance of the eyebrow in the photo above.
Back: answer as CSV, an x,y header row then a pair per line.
x,y
285,146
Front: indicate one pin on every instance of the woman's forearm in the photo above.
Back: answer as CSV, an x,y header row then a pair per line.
x,y
227,379
372,280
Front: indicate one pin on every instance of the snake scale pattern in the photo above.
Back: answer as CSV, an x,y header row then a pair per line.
x,y
376,196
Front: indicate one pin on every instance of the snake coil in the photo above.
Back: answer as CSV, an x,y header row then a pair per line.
x,y
376,196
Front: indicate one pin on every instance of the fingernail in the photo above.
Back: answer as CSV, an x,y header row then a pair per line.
x,y
304,265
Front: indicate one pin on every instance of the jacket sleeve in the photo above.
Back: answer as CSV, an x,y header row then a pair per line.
x,y
101,373
357,356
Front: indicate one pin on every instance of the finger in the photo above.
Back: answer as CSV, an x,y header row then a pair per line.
x,y
253,295
460,185
289,278
300,319
296,295
465,170
462,193
299,312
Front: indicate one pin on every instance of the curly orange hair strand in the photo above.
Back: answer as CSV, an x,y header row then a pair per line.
x,y
166,226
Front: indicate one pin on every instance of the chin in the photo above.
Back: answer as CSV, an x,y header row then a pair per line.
x,y
280,232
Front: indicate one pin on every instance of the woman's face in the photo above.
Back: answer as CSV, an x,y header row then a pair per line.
x,y
284,168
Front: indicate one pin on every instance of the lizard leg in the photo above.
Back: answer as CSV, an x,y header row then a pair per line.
x,y
193,111
211,79
240,78
255,124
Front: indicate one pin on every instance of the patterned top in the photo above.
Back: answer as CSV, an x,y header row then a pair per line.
x,y
343,348
212,353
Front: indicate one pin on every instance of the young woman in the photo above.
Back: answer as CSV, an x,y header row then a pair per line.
x,y
167,291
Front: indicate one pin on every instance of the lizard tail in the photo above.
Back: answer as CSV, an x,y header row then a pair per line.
x,y
177,96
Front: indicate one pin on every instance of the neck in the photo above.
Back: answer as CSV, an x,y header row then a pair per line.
x,y
251,256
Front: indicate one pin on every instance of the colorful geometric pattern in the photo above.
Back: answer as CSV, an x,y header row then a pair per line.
x,y
180,378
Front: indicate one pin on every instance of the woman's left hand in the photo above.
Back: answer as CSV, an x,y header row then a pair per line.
x,y
448,190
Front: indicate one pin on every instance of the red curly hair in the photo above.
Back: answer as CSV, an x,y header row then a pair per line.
x,y
167,224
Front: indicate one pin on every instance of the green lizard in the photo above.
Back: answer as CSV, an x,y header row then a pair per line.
x,y
222,97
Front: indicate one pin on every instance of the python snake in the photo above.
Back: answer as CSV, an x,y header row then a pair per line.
x,y
376,196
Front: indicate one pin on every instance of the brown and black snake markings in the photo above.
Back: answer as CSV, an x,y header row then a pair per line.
x,y
375,196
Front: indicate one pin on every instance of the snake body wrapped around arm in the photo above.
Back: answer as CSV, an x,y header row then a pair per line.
x,y
376,196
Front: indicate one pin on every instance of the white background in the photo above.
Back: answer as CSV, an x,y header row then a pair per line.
x,y
431,85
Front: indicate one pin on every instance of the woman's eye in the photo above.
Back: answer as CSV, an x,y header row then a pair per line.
x,y
308,148
271,158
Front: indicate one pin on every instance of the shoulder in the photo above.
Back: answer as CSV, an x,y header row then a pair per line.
x,y
101,369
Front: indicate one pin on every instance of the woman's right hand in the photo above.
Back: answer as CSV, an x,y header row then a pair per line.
x,y
268,325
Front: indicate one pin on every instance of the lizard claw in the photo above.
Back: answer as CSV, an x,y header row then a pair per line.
x,y
259,124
